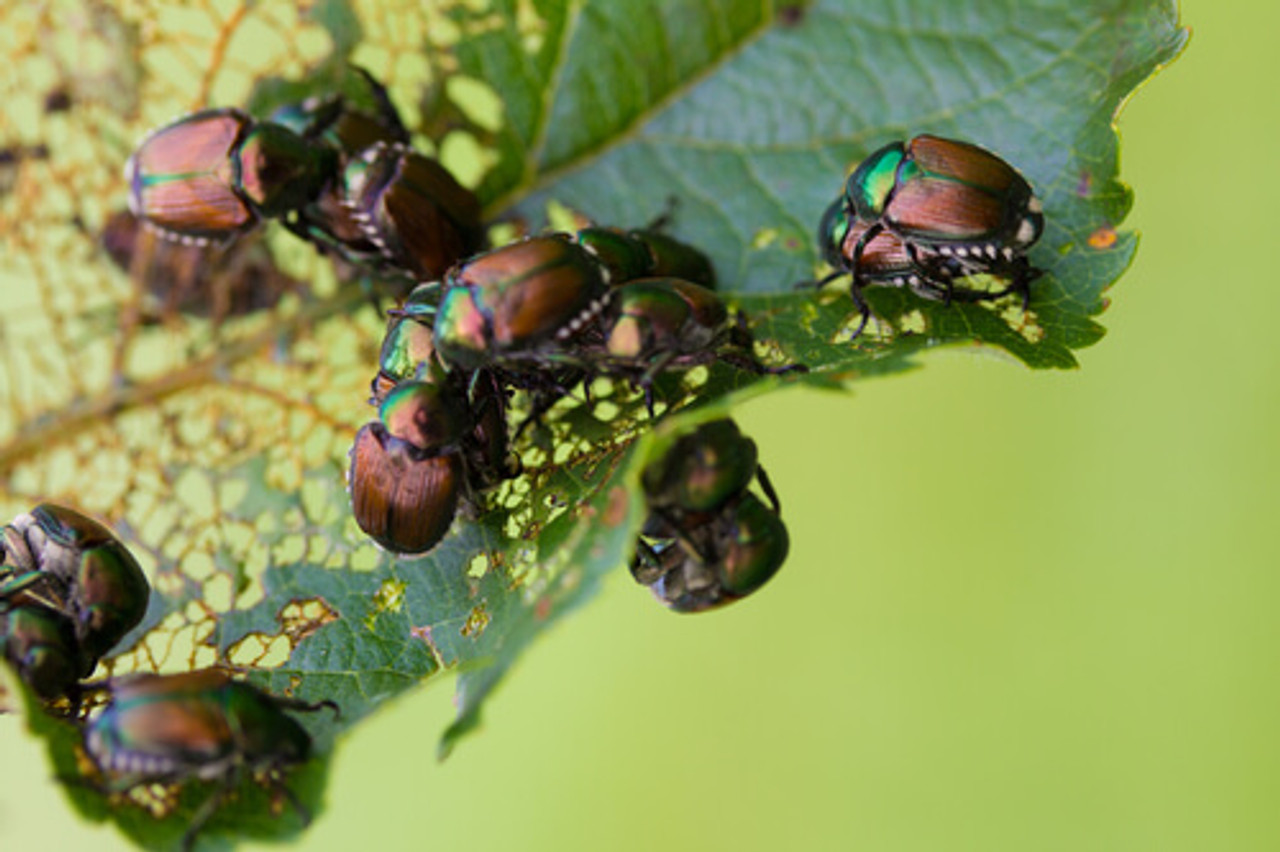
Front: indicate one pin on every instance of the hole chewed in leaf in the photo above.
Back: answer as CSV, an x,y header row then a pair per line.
x,y
211,429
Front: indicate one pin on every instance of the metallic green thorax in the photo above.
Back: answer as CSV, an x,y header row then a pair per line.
x,y
279,171
428,416
874,180
628,255
514,299
407,348
462,330
832,231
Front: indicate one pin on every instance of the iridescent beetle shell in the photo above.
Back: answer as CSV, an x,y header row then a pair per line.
x,y
502,306
664,317
402,498
945,195
407,471
408,347
646,253
199,724
950,209
656,324
703,470
708,540
884,259
40,643
203,725
208,280
214,174
408,352
56,558
409,206
753,543
738,550
108,593
350,126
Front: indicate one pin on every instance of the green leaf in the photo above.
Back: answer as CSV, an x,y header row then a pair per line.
x,y
218,449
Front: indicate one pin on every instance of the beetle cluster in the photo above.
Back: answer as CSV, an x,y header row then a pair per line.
x,y
927,213
541,315
335,173
708,540
69,592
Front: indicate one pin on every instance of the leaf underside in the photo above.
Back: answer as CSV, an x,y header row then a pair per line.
x,y
218,449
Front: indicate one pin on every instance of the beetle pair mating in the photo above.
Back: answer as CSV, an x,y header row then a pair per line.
x,y
336,175
708,540
69,591
542,315
930,212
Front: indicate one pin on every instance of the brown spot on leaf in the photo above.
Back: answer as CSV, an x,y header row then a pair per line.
x,y
616,512
1103,238
542,608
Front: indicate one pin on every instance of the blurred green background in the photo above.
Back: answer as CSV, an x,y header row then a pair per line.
x,y
1022,611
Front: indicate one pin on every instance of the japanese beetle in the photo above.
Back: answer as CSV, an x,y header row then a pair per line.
x,y
342,121
214,174
89,575
429,451
702,471
708,540
646,253
723,559
168,729
884,259
418,216
655,324
40,643
953,209
518,306
408,347
350,126
209,280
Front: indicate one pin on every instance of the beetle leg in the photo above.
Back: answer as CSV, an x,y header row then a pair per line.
x,y
207,809
1023,274
819,283
663,219
645,382
301,706
767,487
11,583
388,115
303,812
856,283
646,568
944,282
